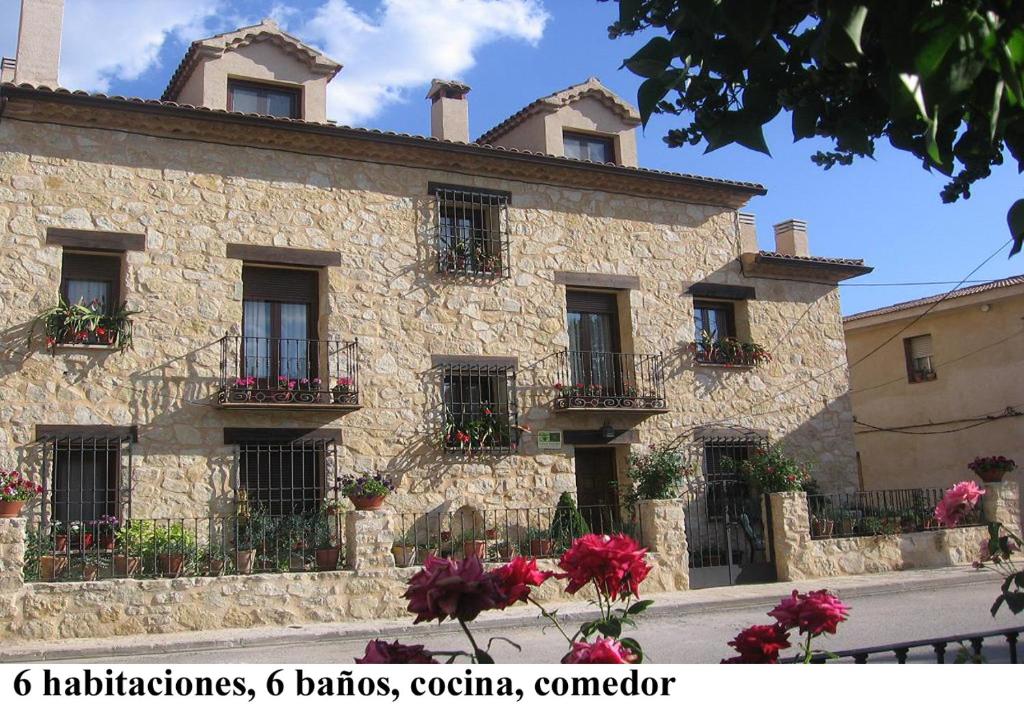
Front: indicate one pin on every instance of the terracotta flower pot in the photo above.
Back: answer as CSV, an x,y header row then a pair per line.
x,y
83,541
107,542
52,567
90,572
405,555
11,508
989,476
367,502
541,547
170,564
475,548
244,560
217,566
127,565
60,543
327,559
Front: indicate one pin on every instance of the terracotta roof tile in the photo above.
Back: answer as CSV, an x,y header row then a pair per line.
x,y
920,302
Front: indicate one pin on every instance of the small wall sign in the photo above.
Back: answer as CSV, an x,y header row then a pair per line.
x,y
549,439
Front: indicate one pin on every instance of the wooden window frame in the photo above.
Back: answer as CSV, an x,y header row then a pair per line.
x,y
72,259
702,305
607,140
296,94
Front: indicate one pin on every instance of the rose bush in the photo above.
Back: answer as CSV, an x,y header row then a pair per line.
x,y
812,614
759,644
604,651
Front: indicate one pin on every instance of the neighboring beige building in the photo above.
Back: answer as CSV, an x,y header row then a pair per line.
x,y
945,390
439,289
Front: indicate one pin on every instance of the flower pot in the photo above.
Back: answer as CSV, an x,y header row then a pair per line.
x,y
474,548
244,560
127,565
170,564
541,547
506,553
491,534
52,567
327,559
989,476
11,508
217,566
367,502
107,543
90,572
60,543
405,555
83,541
296,562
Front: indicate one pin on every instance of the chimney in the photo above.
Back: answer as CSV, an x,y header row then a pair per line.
x,y
748,232
449,110
39,42
791,238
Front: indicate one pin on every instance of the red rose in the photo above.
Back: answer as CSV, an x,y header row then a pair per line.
x,y
759,644
614,563
379,652
787,612
516,578
816,612
447,588
603,651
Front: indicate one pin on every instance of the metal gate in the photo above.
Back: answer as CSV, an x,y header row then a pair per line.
x,y
728,523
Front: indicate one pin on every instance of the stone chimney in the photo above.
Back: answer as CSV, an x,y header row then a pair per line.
x,y
748,232
449,110
791,238
39,42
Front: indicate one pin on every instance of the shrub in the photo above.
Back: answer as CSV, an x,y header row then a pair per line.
x,y
772,470
656,475
568,523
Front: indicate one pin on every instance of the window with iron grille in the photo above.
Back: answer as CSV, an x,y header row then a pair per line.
x,y
472,231
480,413
283,476
87,474
726,489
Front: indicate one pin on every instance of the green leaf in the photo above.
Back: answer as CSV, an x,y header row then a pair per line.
x,y
638,607
1015,219
845,26
652,91
652,59
610,628
930,57
805,121
633,646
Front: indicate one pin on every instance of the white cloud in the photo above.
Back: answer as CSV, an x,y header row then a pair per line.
x,y
101,45
407,43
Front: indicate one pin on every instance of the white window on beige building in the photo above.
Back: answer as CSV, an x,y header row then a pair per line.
x,y
920,367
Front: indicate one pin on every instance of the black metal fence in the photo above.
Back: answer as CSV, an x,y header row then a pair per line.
x,y
997,646
471,233
878,512
500,534
609,380
283,372
185,547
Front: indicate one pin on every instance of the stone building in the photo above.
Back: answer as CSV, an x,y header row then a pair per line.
x,y
491,322
942,393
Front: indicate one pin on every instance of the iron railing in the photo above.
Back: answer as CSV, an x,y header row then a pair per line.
x,y
290,373
185,547
499,534
967,648
878,512
607,380
480,410
730,352
472,233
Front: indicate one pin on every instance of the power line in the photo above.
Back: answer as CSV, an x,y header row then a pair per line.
x,y
908,284
1009,412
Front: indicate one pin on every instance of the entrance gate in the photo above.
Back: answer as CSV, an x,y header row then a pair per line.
x,y
728,523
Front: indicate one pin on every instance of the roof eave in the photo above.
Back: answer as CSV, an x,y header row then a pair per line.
x,y
770,267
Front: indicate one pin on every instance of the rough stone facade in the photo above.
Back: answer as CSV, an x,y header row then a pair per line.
x,y
191,198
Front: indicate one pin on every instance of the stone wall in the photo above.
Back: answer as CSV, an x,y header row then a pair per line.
x,y
370,589
190,199
798,557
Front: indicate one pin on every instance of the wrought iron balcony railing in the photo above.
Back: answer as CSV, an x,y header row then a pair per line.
x,y
610,381
289,373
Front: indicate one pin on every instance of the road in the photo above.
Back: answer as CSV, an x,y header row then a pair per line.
x,y
680,637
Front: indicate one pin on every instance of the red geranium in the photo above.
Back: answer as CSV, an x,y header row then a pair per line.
x,y
614,563
379,652
516,578
447,588
603,651
759,644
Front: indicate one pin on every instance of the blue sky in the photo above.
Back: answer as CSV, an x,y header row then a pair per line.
x,y
885,210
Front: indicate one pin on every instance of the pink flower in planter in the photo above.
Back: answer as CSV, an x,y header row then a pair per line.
x,y
379,652
958,501
604,651
446,588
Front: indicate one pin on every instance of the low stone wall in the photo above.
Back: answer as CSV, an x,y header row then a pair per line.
x,y
372,590
798,557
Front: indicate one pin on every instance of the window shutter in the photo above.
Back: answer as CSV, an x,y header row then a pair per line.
x,y
579,301
282,285
921,346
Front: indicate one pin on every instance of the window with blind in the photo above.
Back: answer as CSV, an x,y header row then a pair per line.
x,y
918,350
91,279
580,146
279,323
260,99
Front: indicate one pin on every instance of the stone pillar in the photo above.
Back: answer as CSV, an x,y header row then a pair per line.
x,y
663,531
368,541
12,565
1001,503
791,532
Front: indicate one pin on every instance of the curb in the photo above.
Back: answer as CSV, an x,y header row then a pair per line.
x,y
676,604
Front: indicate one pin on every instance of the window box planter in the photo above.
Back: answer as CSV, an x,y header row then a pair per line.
x,y
730,352
87,326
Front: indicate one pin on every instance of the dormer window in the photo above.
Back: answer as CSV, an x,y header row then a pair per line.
x,y
595,148
262,99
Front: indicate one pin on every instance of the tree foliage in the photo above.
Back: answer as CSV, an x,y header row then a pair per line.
x,y
940,79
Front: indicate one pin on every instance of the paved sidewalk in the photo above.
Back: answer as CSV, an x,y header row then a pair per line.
x,y
667,604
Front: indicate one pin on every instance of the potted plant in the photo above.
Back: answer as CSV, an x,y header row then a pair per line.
x,y
94,565
405,554
344,391
847,522
822,527
172,545
327,551
84,323
307,390
50,565
472,545
81,535
15,491
540,543
366,491
992,469
129,542
105,531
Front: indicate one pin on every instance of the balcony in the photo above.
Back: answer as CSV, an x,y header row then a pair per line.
x,y
730,353
288,374
610,381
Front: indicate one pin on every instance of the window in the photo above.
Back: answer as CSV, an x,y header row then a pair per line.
x,y
918,352
588,147
726,490
713,321
248,97
279,325
93,280
480,413
282,477
472,231
595,363
88,474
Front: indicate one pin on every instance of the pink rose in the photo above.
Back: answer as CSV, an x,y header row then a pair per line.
x,y
957,503
603,651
